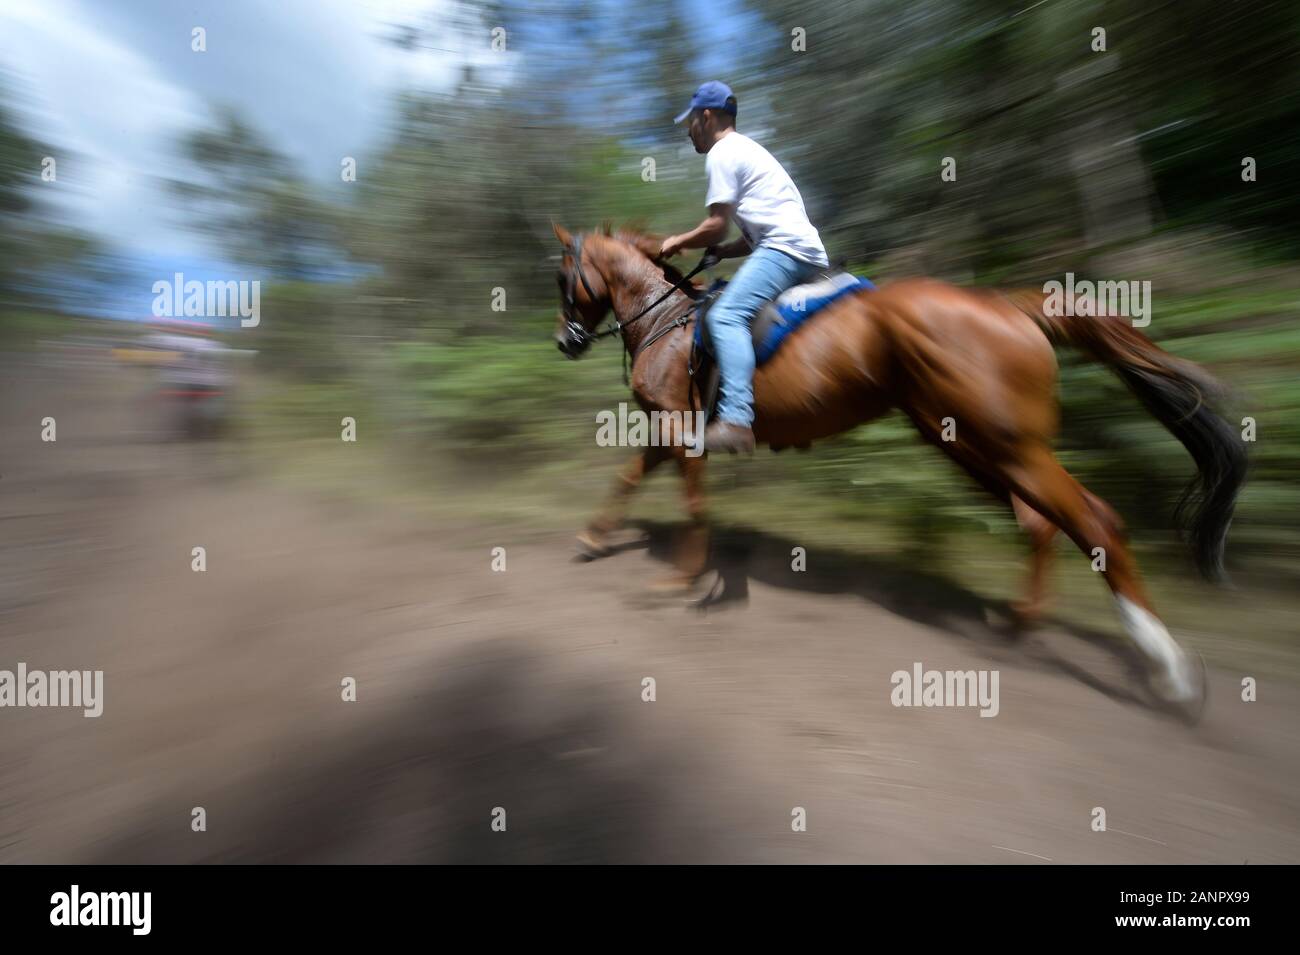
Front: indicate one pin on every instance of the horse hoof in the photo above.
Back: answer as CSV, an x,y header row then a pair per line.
x,y
1185,698
1025,615
661,593
673,586
589,548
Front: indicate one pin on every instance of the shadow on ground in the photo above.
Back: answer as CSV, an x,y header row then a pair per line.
x,y
583,777
740,555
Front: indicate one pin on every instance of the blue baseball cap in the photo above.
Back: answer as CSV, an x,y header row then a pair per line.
x,y
711,95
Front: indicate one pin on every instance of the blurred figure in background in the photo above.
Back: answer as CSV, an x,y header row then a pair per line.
x,y
193,380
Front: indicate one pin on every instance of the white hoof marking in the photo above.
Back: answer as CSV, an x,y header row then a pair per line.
x,y
1176,679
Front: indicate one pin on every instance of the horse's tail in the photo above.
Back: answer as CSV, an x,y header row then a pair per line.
x,y
1181,396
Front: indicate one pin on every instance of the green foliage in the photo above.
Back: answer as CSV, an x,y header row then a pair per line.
x,y
1067,159
1126,162
487,396
33,245
500,399
250,201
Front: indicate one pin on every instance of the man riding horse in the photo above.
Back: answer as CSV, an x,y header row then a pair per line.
x,y
746,184
973,369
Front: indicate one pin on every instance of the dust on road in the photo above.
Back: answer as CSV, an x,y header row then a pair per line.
x,y
523,690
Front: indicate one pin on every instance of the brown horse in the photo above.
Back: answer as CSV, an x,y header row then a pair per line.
x,y
974,366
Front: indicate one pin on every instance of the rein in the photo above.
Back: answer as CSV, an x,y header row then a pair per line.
x,y
707,261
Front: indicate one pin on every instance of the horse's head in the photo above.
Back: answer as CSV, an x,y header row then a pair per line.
x,y
586,267
584,295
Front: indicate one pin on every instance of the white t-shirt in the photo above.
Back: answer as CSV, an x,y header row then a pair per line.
x,y
769,209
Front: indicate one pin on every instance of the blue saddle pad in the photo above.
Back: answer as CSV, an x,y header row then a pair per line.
x,y
792,308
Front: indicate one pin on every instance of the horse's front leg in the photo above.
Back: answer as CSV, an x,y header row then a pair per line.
x,y
691,550
594,541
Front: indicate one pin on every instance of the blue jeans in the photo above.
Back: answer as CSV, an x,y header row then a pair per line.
x,y
765,275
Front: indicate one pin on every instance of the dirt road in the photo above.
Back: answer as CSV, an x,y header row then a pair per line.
x,y
522,689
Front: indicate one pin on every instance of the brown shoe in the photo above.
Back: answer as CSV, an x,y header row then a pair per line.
x,y
725,436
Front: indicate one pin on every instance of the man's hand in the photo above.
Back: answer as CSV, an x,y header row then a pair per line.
x,y
672,245
709,232
733,250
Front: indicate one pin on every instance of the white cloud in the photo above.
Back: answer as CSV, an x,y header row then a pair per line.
x,y
112,89
103,110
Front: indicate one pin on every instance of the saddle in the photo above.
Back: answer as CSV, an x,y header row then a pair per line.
x,y
775,322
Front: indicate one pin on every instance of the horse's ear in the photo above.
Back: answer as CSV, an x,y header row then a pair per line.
x,y
563,234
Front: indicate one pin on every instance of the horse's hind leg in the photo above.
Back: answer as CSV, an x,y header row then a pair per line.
x,y
594,541
1037,477
1041,533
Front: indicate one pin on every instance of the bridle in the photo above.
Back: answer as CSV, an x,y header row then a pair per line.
x,y
574,328
584,338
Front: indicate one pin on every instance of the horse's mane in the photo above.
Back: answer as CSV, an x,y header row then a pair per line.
x,y
647,243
